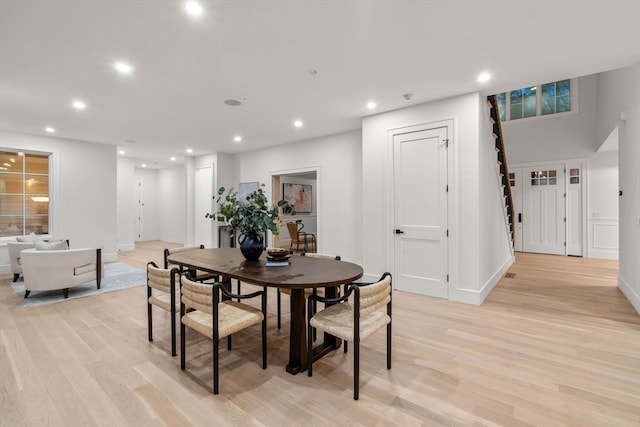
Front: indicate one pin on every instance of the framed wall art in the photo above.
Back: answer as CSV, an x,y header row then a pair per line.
x,y
298,196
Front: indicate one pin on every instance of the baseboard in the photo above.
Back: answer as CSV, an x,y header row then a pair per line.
x,y
477,297
109,257
603,254
630,293
127,247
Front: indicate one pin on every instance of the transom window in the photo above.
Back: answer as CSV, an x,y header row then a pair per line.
x,y
542,100
544,177
24,193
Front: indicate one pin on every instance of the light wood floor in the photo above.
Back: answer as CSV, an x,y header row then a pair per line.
x,y
556,345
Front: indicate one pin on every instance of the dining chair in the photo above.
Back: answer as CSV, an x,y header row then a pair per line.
x,y
200,276
297,236
308,292
162,292
202,311
353,321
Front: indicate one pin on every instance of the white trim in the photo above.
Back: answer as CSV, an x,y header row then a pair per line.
x,y
631,295
469,296
54,181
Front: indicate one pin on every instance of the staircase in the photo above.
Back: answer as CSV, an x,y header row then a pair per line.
x,y
494,116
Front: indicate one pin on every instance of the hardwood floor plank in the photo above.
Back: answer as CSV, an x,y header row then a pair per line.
x,y
554,344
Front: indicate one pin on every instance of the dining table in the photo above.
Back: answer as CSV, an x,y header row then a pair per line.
x,y
299,274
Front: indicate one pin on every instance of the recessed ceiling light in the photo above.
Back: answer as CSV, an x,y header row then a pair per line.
x,y
144,165
50,129
123,67
193,8
189,150
298,123
371,105
173,159
484,77
237,138
79,105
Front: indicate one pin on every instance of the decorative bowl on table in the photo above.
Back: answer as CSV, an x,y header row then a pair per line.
x,y
277,252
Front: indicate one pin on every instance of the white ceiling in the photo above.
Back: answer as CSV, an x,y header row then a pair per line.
x,y
263,52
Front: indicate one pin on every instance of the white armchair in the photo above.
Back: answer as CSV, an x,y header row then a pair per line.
x,y
46,270
15,259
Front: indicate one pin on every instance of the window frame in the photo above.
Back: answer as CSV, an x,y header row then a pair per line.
x,y
539,115
54,182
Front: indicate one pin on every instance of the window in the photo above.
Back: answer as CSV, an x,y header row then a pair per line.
x,y
556,97
542,100
544,177
24,193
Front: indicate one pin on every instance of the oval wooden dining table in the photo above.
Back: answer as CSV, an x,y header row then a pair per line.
x,y
301,273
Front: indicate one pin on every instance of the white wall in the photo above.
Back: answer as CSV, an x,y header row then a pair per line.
x,y
468,270
339,185
602,205
619,92
561,137
495,247
84,190
126,209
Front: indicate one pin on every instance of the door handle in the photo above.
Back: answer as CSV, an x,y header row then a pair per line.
x,y
398,231
519,217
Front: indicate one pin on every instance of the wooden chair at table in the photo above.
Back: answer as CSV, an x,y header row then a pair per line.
x,y
308,292
298,236
353,321
200,276
162,292
202,311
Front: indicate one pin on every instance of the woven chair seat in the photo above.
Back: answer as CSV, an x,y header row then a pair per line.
x,y
234,317
338,321
163,300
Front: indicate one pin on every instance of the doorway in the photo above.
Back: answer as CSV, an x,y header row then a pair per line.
x,y
309,179
138,209
548,208
420,160
203,206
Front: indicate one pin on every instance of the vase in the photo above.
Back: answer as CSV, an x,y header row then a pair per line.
x,y
251,245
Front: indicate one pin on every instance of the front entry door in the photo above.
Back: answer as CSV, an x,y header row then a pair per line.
x,y
543,206
420,186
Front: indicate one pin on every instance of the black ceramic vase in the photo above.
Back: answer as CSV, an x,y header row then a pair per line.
x,y
251,246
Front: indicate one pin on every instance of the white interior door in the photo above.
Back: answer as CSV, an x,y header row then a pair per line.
x,y
543,218
138,209
515,180
420,186
204,205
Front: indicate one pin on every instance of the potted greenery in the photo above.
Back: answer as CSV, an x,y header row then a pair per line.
x,y
251,216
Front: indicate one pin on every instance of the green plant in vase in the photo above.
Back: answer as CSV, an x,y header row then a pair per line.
x,y
251,215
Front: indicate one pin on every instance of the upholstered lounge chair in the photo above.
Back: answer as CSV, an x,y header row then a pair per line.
x,y
46,270
15,258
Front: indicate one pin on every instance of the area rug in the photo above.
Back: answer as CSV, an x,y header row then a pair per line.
x,y
117,276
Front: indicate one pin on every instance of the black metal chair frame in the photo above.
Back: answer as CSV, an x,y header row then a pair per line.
x,y
279,303
174,272
220,289
349,289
